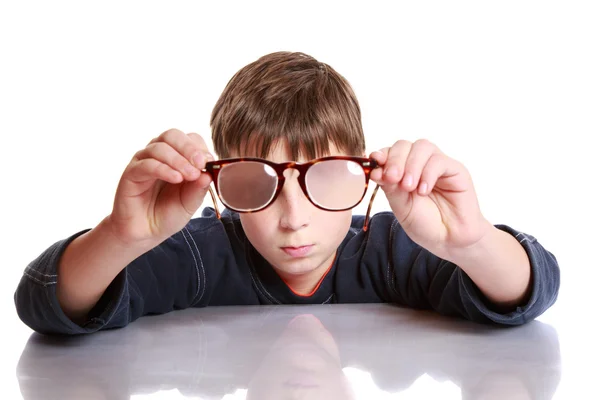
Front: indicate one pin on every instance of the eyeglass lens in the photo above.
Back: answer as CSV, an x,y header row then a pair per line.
x,y
331,184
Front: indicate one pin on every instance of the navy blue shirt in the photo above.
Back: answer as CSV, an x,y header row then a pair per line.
x,y
211,262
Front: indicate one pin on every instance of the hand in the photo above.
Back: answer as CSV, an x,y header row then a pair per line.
x,y
161,188
431,195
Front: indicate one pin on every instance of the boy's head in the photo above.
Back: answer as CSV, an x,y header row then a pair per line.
x,y
290,107
288,97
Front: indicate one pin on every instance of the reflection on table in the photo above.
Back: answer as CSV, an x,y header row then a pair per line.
x,y
295,352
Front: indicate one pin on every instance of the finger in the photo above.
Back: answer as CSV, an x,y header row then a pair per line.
x,y
190,149
420,153
193,193
435,168
444,173
394,168
166,154
152,169
380,156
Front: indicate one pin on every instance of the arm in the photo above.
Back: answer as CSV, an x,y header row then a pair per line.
x,y
433,198
158,281
88,266
499,266
420,279
158,193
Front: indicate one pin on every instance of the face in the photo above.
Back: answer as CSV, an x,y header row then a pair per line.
x,y
293,235
304,363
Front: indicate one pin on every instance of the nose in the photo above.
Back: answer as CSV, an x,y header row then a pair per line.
x,y
295,207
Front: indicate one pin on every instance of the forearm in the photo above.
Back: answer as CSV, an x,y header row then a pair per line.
x,y
88,266
499,266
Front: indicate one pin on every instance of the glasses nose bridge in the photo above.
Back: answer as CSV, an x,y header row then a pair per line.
x,y
294,165
301,168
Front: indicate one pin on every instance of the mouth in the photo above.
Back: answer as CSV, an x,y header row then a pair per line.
x,y
298,251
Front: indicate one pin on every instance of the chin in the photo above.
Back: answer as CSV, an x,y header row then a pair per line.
x,y
297,267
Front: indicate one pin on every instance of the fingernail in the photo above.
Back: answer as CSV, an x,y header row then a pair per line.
x,y
209,157
423,188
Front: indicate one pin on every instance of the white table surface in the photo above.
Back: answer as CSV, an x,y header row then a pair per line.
x,y
368,351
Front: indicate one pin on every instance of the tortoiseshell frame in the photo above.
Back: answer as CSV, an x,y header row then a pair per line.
x,y
368,165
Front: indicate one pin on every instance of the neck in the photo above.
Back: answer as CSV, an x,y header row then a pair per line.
x,y
306,284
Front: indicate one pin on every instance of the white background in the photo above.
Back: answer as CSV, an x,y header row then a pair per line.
x,y
511,89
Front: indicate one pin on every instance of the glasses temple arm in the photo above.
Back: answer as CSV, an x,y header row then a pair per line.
x,y
365,226
214,200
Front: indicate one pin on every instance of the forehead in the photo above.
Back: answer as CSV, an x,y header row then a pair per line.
x,y
280,151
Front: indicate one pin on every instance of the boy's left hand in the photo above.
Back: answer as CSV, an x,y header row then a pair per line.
x,y
431,195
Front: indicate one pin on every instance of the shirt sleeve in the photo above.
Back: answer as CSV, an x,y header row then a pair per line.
x,y
168,277
419,279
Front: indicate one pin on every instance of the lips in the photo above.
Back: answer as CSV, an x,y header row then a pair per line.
x,y
298,251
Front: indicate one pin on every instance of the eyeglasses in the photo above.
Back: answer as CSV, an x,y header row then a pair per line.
x,y
334,183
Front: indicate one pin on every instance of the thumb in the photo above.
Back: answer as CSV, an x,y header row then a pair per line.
x,y
380,156
193,192
399,199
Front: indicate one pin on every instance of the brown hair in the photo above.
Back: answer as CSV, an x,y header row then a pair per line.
x,y
290,97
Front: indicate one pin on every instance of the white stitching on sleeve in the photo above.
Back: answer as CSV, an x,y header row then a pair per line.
x,y
260,287
30,269
525,238
328,299
39,281
266,295
195,262
391,278
201,265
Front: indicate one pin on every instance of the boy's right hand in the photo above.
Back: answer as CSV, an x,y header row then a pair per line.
x,y
161,189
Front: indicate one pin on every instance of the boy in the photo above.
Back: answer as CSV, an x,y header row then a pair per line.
x,y
288,234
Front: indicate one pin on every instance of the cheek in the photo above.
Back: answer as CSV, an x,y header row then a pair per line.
x,y
338,219
332,224
258,226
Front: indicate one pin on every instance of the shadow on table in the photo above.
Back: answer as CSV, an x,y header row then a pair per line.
x,y
292,352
